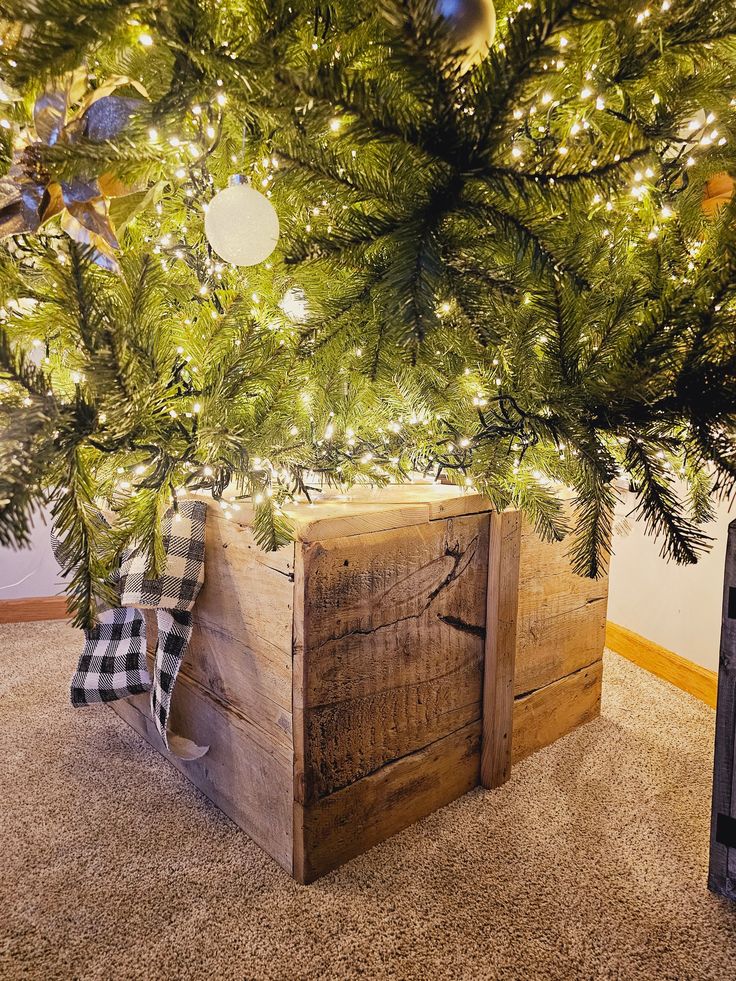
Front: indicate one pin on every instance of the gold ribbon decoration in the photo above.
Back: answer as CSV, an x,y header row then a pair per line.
x,y
29,196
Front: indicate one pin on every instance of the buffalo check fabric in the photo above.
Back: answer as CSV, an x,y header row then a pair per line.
x,y
113,663
183,541
174,631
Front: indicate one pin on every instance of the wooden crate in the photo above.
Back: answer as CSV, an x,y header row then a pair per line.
x,y
405,648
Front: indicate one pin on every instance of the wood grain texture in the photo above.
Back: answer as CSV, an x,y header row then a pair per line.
x,y
247,775
335,829
684,674
500,648
392,649
366,510
33,608
561,616
551,712
722,866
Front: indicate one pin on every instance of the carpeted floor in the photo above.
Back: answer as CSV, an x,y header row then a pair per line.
x,y
590,863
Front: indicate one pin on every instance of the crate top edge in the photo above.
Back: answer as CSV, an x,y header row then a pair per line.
x,y
368,510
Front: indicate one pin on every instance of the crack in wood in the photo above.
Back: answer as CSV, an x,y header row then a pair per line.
x,y
458,567
473,661
543,615
472,739
287,575
556,681
458,624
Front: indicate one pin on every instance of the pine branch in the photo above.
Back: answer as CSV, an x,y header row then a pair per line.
x,y
659,507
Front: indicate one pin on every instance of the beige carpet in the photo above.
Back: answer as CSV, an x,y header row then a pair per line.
x,y
590,863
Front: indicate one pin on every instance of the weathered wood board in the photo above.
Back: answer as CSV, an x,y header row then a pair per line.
x,y
248,776
561,621
362,677
544,715
349,822
502,602
391,647
722,869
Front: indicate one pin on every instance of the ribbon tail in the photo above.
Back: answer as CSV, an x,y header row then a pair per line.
x,y
174,632
185,749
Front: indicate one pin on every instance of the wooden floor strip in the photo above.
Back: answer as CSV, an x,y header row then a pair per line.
x,y
32,608
684,674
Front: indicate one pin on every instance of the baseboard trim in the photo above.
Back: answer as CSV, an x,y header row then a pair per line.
x,y
33,608
684,674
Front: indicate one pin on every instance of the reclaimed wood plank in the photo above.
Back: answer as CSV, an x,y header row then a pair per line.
x,y
561,616
394,631
244,773
500,647
365,510
335,829
551,712
300,667
240,649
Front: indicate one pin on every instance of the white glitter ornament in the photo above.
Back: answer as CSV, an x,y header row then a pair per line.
x,y
241,224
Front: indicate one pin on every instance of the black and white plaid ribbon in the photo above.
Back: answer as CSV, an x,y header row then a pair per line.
x,y
113,664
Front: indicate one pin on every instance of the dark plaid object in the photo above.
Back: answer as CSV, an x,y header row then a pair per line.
x,y
183,541
113,663
174,631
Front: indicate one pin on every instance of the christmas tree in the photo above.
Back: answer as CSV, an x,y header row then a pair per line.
x,y
493,263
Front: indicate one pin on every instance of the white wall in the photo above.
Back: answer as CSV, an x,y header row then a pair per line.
x,y
32,571
677,607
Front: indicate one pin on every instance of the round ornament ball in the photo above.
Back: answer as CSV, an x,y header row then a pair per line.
x,y
241,224
471,24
